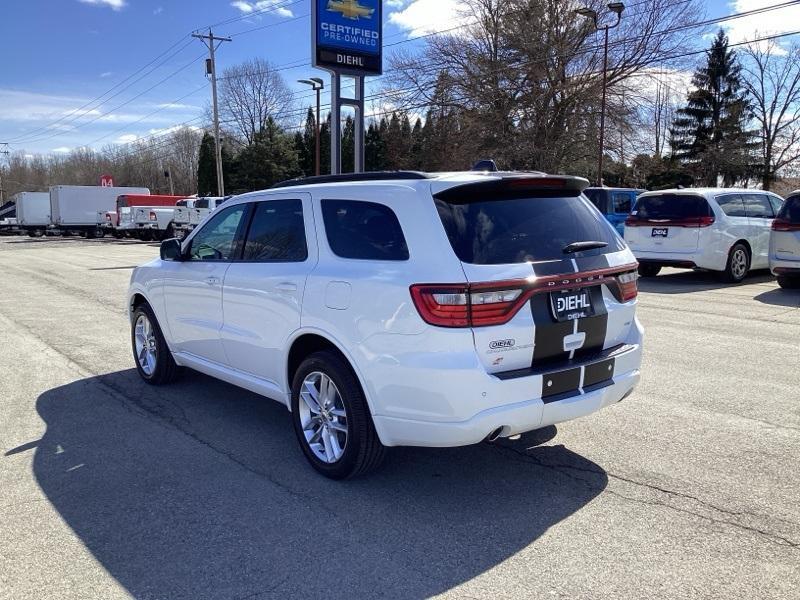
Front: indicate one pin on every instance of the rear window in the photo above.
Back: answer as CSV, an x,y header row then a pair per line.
x,y
518,230
671,207
363,230
791,210
594,196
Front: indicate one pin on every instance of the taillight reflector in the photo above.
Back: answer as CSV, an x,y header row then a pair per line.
x,y
633,221
785,225
495,303
153,216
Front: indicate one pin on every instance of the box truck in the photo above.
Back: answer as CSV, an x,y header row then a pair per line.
x,y
33,212
75,207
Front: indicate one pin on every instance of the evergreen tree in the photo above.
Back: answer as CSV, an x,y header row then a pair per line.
x,y
709,135
325,146
374,148
269,159
306,143
415,162
348,145
206,167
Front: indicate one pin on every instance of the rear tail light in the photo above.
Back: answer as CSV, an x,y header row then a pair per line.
x,y
495,303
628,285
153,216
633,221
108,218
785,225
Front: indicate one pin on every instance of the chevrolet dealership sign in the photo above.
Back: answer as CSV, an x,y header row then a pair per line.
x,y
348,36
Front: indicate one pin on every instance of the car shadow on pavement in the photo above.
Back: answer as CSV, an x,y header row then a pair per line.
x,y
672,281
199,490
781,297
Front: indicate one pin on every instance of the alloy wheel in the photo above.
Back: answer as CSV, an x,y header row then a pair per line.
x,y
323,417
739,263
145,341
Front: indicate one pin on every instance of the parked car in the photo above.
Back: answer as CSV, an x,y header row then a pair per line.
x,y
131,224
399,309
614,203
181,218
717,229
153,222
784,251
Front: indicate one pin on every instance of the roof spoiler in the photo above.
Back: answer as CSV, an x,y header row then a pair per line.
x,y
515,186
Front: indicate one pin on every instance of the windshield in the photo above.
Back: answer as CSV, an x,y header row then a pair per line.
x,y
671,207
528,229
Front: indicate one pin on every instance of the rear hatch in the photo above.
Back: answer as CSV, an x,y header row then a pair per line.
x,y
542,265
786,231
667,223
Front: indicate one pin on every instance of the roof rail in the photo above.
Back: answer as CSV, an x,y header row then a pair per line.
x,y
350,177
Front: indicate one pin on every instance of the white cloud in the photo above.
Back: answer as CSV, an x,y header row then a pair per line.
x,y
262,5
422,17
178,106
106,75
395,3
763,24
126,139
113,4
62,150
158,10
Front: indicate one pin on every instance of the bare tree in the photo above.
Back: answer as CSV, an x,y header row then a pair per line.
x,y
527,74
250,93
772,79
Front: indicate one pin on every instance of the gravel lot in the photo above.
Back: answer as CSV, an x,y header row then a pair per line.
x,y
112,489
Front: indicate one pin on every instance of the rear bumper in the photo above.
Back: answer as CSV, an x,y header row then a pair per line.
x,y
784,267
700,259
511,419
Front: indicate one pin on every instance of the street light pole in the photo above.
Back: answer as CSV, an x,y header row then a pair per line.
x,y
317,85
617,8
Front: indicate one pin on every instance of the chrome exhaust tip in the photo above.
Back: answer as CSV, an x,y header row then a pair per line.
x,y
494,435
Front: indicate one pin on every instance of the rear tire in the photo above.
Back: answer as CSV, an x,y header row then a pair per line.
x,y
789,283
738,264
341,417
151,354
649,270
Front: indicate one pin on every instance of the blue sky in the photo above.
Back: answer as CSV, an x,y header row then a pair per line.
x,y
61,54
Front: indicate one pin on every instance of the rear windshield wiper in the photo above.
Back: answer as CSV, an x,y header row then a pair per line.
x,y
581,246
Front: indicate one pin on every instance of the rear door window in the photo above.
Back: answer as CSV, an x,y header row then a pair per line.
x,y
791,209
507,230
758,206
672,207
732,205
277,233
776,201
621,202
363,230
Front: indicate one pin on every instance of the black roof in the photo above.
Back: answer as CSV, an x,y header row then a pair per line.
x,y
351,177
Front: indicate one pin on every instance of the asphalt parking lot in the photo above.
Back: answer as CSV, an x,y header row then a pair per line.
x,y
112,489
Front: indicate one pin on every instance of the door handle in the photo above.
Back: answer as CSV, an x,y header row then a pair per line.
x,y
212,280
286,287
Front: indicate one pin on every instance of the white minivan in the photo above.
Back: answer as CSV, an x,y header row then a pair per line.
x,y
716,229
784,252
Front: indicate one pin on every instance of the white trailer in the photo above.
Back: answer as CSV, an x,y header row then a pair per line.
x,y
33,212
75,207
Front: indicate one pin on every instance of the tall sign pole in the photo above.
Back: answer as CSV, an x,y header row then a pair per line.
x,y
213,42
3,151
347,40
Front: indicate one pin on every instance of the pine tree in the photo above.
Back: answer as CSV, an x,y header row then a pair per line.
x,y
306,143
269,159
348,145
710,135
206,167
374,148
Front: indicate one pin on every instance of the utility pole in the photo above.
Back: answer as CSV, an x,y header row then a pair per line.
x,y
213,42
4,152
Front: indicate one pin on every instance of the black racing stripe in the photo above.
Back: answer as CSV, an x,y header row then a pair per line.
x,y
560,383
553,267
598,372
595,327
592,263
549,334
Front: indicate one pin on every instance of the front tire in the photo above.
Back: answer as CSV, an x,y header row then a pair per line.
x,y
151,354
649,270
789,283
738,264
331,418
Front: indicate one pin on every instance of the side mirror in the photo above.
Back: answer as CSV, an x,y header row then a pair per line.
x,y
171,250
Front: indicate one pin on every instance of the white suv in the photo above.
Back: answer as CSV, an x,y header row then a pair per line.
x,y
784,252
723,230
391,309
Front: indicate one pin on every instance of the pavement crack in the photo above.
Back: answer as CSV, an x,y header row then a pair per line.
x,y
569,470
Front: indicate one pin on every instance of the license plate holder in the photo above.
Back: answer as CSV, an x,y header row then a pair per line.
x,y
660,232
568,305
